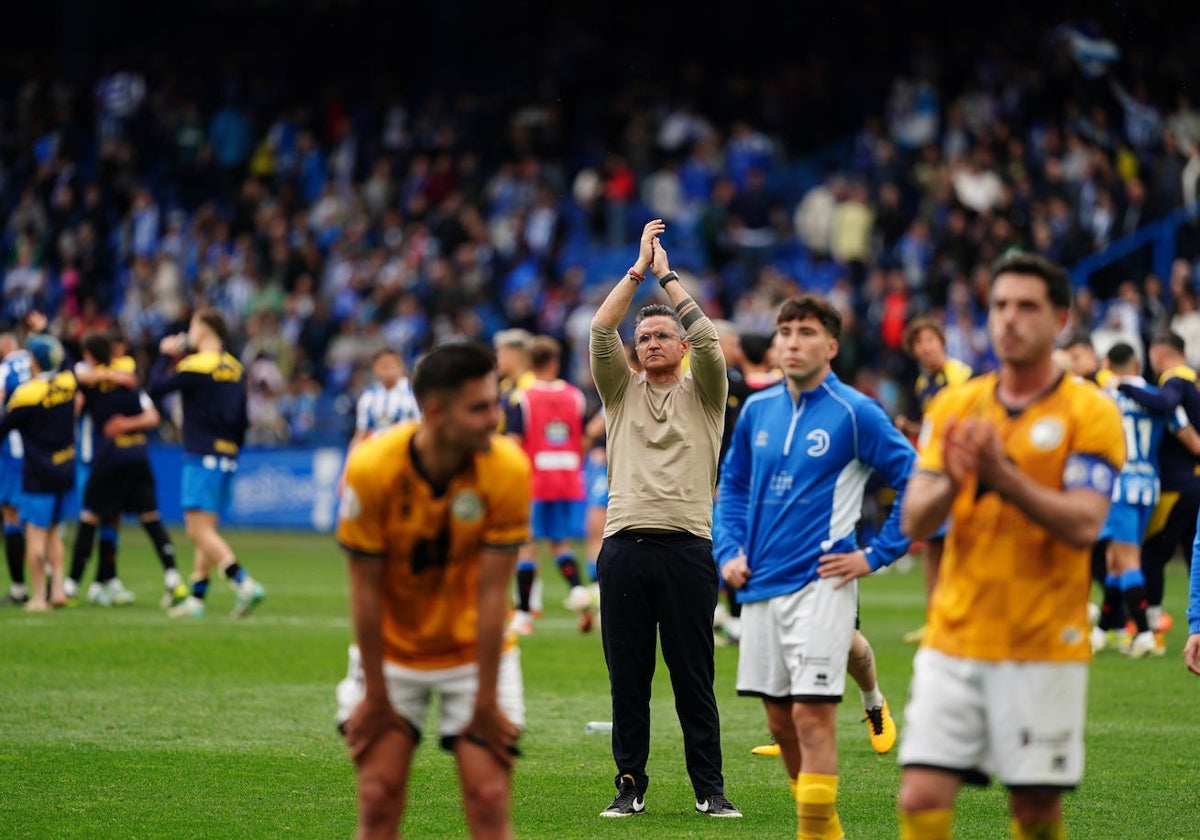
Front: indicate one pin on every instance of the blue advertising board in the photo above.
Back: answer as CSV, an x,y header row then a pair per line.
x,y
292,489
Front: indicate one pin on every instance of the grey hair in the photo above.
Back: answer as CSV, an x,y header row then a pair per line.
x,y
652,310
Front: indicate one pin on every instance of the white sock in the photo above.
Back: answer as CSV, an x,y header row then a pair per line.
x,y
19,590
1153,615
872,698
172,578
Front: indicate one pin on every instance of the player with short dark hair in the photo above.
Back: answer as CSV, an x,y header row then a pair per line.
x,y
1172,527
1023,462
432,515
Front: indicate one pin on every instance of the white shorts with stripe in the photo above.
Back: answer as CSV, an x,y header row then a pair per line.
x,y
794,647
1021,722
411,692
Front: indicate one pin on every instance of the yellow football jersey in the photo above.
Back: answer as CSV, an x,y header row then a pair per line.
x,y
927,386
510,396
1007,589
431,542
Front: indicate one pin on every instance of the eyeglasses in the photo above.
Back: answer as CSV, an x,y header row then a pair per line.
x,y
659,336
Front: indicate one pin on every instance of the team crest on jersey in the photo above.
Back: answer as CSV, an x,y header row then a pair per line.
x,y
820,442
761,438
350,506
467,506
1046,434
557,432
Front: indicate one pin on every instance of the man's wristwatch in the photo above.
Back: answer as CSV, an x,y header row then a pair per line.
x,y
667,278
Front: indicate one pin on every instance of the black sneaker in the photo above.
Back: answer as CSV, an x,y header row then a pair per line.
x,y
626,803
717,806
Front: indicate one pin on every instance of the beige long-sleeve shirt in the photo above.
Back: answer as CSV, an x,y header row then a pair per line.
x,y
663,440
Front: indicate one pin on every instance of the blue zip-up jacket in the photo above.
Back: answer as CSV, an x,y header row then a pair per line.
x,y
792,484
1193,610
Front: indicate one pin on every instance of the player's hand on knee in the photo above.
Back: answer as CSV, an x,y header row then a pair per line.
x,y
369,721
491,730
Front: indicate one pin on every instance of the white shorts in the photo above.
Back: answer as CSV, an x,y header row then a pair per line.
x,y
412,690
794,647
1021,722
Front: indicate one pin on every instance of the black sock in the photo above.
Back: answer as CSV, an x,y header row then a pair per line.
x,y
108,551
1135,604
233,570
525,576
85,536
14,552
162,543
569,568
1112,613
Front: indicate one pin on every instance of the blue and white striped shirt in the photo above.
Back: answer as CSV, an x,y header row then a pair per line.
x,y
379,407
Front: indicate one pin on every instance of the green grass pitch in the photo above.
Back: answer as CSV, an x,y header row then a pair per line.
x,y
121,723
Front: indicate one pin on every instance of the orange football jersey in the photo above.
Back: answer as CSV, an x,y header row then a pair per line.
x,y
431,543
1007,588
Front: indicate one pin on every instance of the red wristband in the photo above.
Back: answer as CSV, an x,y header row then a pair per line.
x,y
635,275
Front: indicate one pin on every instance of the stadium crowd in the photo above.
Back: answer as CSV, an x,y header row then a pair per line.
x,y
328,225
331,239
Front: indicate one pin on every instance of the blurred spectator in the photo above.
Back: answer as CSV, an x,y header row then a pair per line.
x,y
1185,321
231,141
300,404
813,217
24,283
853,220
324,221
268,426
119,95
1116,327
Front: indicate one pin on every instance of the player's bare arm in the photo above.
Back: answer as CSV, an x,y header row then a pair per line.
x,y
489,727
374,715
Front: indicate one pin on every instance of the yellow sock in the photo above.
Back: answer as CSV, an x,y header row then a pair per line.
x,y
1038,831
835,830
926,825
816,804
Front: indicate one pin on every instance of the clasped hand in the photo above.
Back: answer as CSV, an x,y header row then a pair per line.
x,y
973,447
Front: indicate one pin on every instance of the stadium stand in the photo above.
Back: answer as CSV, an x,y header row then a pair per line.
x,y
447,183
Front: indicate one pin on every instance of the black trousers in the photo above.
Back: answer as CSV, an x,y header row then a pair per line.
x,y
1178,533
661,585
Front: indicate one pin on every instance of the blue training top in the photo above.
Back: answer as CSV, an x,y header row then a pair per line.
x,y
792,484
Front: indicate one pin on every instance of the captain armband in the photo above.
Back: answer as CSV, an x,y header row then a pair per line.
x,y
1089,472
